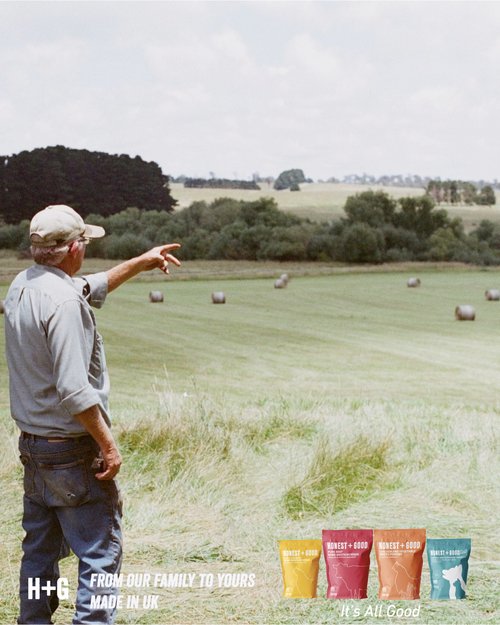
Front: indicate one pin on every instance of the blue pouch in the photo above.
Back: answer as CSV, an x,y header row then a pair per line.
x,y
449,564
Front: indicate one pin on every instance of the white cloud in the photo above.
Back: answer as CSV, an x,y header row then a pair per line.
x,y
440,100
180,61
312,59
230,45
335,87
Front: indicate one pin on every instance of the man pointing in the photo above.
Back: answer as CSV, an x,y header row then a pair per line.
x,y
59,389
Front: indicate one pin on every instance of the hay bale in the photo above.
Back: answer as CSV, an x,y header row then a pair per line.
x,y
218,297
155,296
492,295
413,282
279,284
2,307
465,312
284,277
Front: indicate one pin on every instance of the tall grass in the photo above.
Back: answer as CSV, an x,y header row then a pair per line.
x,y
224,510
204,482
199,433
336,480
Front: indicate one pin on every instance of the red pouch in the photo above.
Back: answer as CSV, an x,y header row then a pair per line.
x,y
347,557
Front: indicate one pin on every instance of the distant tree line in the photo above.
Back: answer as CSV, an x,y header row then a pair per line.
x,y
400,180
220,183
376,228
482,191
87,181
460,192
289,179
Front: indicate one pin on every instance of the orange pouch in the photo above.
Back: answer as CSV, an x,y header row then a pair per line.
x,y
300,567
399,560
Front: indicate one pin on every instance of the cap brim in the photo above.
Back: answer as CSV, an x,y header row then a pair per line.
x,y
94,232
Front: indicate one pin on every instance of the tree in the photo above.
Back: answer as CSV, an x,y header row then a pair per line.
x,y
406,241
446,246
89,181
434,189
487,196
469,194
489,233
363,244
374,208
127,245
419,215
323,246
289,178
393,230
458,191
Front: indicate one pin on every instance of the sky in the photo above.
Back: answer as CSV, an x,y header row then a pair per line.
x,y
234,89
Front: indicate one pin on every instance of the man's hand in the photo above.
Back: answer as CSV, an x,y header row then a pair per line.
x,y
157,258
112,462
93,421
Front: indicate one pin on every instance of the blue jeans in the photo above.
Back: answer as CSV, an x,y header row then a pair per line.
x,y
65,505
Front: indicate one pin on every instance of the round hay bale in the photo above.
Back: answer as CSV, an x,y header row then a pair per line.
x,y
218,297
279,284
413,282
1,306
155,296
492,295
465,312
284,277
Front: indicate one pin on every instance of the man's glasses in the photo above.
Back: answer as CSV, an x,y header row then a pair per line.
x,y
84,240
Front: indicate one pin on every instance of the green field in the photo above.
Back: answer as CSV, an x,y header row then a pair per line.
x,y
260,419
325,201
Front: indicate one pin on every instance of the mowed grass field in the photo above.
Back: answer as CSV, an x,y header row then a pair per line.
x,y
344,400
325,201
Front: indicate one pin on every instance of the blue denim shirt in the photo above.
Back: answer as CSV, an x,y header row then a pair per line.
x,y
55,355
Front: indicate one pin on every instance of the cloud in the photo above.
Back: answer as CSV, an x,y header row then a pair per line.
x,y
313,59
335,87
230,45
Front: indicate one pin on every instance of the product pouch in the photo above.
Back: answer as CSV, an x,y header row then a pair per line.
x,y
347,558
300,567
448,565
399,559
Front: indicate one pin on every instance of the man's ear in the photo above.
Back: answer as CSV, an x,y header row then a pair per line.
x,y
73,248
